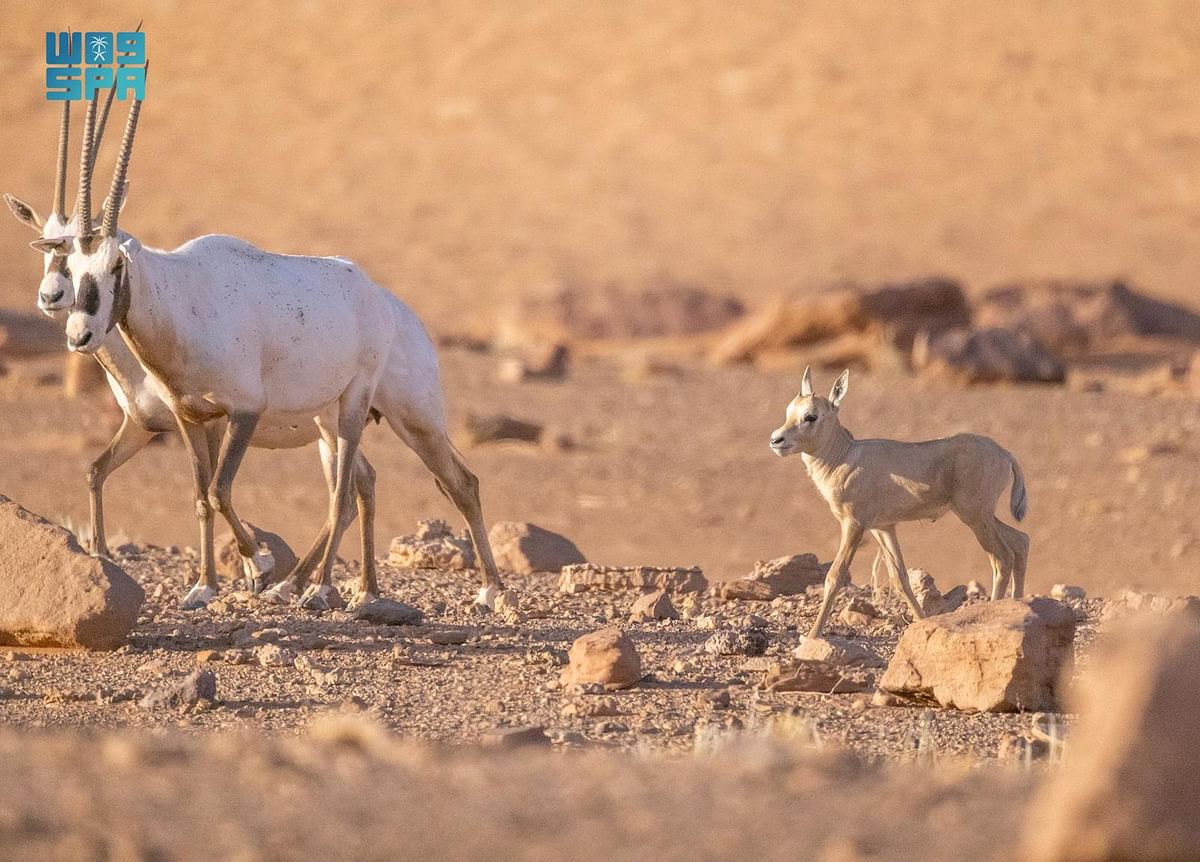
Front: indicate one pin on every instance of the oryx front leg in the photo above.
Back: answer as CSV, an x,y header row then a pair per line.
x,y
889,546
839,572
256,563
130,439
206,584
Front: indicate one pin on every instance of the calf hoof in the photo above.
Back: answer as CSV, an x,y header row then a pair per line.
x,y
197,597
280,594
359,599
321,597
487,596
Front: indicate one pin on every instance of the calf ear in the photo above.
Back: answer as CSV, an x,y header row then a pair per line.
x,y
840,386
24,212
60,245
806,388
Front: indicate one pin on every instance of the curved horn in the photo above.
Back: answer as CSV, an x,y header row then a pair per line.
x,y
103,121
60,176
83,202
113,207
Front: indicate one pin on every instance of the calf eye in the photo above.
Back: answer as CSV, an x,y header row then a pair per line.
x,y
811,417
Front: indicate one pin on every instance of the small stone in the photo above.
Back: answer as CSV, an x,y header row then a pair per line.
x,y
653,606
433,546
449,637
859,613
273,655
607,657
205,656
387,612
837,651
197,687
1065,592
747,642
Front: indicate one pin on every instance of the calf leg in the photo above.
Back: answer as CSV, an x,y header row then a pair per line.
x,y
839,572
879,577
988,535
364,490
1018,543
130,439
206,584
889,546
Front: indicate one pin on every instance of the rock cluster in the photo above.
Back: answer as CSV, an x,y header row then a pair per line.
x,y
433,546
589,576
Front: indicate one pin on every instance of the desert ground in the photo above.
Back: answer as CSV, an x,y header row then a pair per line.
x,y
637,185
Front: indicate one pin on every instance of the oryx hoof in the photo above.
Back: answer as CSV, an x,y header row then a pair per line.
x,y
257,570
321,597
487,596
360,598
197,597
280,594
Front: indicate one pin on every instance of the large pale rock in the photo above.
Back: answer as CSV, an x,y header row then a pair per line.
x,y
606,656
433,546
588,576
784,576
1000,656
52,593
229,560
527,548
1131,786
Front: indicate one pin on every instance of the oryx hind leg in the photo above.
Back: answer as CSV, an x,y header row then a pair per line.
x,y
1000,555
1018,544
460,486
889,546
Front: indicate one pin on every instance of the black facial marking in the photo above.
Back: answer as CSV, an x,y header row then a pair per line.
x,y
89,294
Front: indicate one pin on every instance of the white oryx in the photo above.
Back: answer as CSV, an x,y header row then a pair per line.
x,y
230,331
147,414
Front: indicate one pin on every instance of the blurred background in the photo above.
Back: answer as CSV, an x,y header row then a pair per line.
x,y
470,155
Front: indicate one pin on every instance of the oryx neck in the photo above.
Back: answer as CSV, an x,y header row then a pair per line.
x,y
832,452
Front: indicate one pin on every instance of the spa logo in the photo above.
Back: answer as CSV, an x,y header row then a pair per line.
x,y
79,64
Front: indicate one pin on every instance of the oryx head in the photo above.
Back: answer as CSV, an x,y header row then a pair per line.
x,y
809,417
97,262
57,231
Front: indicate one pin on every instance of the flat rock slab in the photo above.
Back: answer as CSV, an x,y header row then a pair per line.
x,y
588,576
52,593
1004,656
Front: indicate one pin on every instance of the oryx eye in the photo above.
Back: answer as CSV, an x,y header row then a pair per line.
x,y
811,417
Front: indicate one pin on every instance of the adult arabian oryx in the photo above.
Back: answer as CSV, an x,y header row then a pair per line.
x,y
147,414
233,332
873,485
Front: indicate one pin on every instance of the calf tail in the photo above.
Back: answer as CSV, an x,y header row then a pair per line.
x,y
1018,502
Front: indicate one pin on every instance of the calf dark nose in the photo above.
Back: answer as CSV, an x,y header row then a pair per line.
x,y
53,299
777,440
76,343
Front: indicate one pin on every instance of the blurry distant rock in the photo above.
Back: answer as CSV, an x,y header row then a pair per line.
x,y
52,593
547,362
837,651
433,546
816,676
184,693
783,576
1074,317
1067,592
229,561
1132,601
1002,656
986,356
515,737
653,606
576,311
1133,781
904,309
497,427
607,657
27,334
526,548
589,576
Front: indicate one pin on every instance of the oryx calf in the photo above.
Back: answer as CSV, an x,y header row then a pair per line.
x,y
873,485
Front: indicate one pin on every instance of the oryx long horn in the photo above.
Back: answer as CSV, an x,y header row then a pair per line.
x,y
103,121
83,202
60,176
112,208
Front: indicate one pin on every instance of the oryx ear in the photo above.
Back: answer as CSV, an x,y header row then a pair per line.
x,y
840,386
60,245
806,387
24,212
